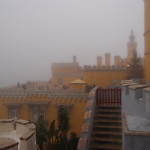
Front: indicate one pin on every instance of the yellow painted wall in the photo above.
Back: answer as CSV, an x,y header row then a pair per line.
x,y
67,71
77,86
3,109
147,40
76,112
66,80
103,78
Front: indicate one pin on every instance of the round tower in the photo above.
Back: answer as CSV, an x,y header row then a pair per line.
x,y
107,59
99,61
147,40
132,45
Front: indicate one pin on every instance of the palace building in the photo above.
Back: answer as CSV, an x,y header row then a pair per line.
x,y
67,87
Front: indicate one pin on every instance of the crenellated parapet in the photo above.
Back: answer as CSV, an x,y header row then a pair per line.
x,y
64,65
104,68
28,87
20,97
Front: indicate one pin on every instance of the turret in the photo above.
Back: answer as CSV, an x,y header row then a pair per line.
x,y
99,61
117,61
74,59
107,59
132,45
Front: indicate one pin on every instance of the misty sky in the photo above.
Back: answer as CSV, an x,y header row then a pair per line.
x,y
35,33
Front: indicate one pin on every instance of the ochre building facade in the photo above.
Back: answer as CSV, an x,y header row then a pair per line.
x,y
147,41
64,73
20,103
103,74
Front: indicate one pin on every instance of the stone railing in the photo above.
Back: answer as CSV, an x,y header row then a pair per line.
x,y
86,130
23,138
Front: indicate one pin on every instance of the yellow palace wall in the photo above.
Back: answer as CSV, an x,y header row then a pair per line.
x,y
147,40
103,78
65,79
76,111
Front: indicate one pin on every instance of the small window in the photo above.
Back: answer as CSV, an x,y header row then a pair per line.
x,y
13,114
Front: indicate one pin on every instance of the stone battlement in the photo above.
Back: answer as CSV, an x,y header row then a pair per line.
x,y
104,68
65,66
23,94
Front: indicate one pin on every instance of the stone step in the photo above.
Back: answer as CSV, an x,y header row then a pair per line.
x,y
106,120
108,110
108,126
108,115
108,133
107,123
105,147
105,112
108,107
106,139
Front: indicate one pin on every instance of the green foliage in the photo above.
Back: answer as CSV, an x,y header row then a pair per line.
x,y
63,119
41,131
135,68
54,137
63,142
73,141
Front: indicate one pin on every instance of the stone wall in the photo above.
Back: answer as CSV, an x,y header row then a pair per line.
x,y
134,99
135,105
85,136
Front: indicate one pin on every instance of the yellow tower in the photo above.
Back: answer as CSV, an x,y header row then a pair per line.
x,y
107,59
99,61
131,47
117,61
147,41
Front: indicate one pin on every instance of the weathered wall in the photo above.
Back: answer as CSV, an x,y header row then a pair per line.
x,y
134,142
133,102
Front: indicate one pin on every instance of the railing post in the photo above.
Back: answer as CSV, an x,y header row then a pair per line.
x,y
108,96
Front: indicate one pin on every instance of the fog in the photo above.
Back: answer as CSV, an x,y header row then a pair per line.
x,y
36,33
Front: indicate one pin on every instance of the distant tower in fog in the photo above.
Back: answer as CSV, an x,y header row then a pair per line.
x,y
132,45
107,59
74,59
99,61
117,61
